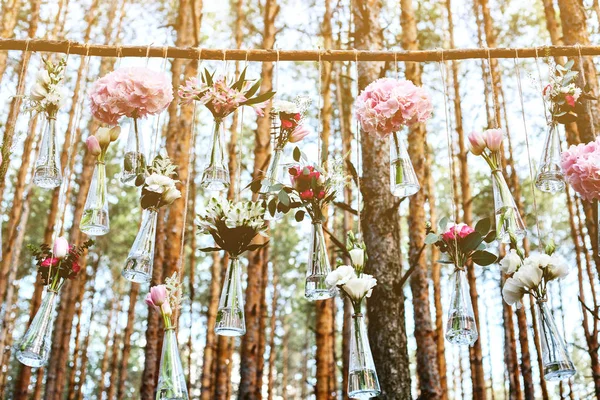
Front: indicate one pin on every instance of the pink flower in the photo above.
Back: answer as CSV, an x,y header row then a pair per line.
x,y
93,146
462,230
159,295
581,166
60,248
149,301
286,124
307,195
476,143
570,100
493,139
299,134
50,261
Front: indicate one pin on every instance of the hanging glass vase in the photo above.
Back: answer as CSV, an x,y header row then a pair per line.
x,y
403,180
318,266
549,177
216,174
171,379
461,327
138,267
47,167
230,315
94,221
556,360
362,377
272,177
134,160
34,349
508,219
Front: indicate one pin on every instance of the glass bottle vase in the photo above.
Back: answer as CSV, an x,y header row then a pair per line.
x,y
549,176
272,177
216,174
47,166
403,180
134,160
95,221
555,358
230,315
171,378
138,266
362,376
318,266
461,327
508,219
34,348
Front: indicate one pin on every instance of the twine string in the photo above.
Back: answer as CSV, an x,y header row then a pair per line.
x,y
494,99
239,146
592,122
155,137
537,66
358,155
319,122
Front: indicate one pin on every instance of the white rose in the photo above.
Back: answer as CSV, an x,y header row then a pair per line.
x,y
170,195
357,255
158,183
529,275
558,268
513,291
340,276
357,288
510,262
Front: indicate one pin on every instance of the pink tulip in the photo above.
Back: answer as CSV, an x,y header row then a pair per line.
x,y
476,143
299,134
493,139
93,145
158,294
60,249
166,308
149,300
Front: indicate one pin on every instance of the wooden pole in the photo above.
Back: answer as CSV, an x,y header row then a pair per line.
x,y
67,46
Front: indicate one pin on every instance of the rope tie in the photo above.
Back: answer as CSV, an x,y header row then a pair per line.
x,y
319,122
537,66
358,155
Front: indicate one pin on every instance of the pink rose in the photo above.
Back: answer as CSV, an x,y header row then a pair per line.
x,y
50,262
307,195
462,230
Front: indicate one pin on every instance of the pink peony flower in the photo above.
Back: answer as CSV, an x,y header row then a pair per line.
x,y
581,166
299,134
462,230
132,92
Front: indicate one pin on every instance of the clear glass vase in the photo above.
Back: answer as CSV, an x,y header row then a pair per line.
x,y
94,221
138,267
230,315
171,378
134,160
47,166
362,377
461,327
318,266
508,219
272,177
556,360
216,174
403,180
34,349
549,176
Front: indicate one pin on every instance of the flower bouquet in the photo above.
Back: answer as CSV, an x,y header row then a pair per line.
x,y
356,285
134,93
158,190
383,108
95,221
565,101
46,97
171,379
233,227
462,244
531,275
55,265
221,98
508,220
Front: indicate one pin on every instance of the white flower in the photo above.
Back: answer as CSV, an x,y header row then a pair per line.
x,y
576,93
340,276
529,275
43,77
285,107
558,268
170,195
38,92
158,183
357,255
513,291
510,262
103,136
357,288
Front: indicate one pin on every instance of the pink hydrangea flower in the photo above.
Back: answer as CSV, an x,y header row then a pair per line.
x,y
386,105
581,166
131,92
462,230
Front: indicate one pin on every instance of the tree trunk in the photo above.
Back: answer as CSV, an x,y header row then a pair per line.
x,y
510,352
285,360
10,18
123,366
273,325
262,326
111,338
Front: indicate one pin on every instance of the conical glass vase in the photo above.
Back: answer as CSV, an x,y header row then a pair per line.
x,y
171,379
318,267
34,349
216,174
47,166
555,358
134,160
138,267
230,315
272,177
461,327
508,219
403,180
94,221
362,377
549,177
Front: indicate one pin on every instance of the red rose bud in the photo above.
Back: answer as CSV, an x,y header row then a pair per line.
x,y
307,195
286,124
76,268
316,174
297,117
321,195
294,171
570,100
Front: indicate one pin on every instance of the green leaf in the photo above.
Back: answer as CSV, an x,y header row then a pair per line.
x,y
240,82
569,64
483,226
297,154
299,215
210,249
272,207
445,262
259,99
490,237
483,258
442,224
256,246
431,238
471,242
255,186
283,198
253,89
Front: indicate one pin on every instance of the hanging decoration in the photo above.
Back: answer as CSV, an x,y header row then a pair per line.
x,y
531,276
222,98
158,190
461,244
166,299
383,108
565,101
233,226
95,221
286,127
508,219
55,265
46,97
356,285
134,93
